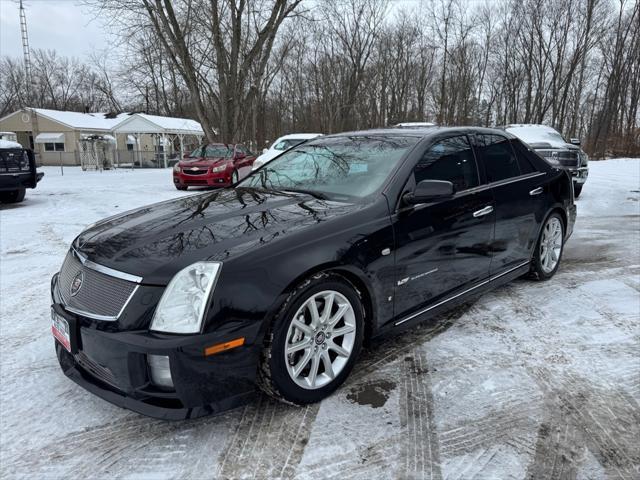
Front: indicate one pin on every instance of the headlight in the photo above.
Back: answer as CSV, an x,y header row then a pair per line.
x,y
176,168
24,161
218,169
184,301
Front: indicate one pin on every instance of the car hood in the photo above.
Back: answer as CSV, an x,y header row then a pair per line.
x,y
156,241
268,155
552,145
202,162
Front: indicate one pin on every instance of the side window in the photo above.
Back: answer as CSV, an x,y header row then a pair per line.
x,y
450,159
499,160
523,157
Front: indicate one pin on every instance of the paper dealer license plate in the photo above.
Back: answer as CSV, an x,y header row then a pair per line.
x,y
60,330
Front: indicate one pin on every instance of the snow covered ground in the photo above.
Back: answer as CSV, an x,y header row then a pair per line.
x,y
538,380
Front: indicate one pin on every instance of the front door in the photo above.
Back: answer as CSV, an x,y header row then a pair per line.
x,y
443,246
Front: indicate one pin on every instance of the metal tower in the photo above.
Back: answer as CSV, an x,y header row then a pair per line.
x,y
25,44
26,51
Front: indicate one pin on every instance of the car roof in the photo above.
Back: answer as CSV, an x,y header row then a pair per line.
x,y
420,132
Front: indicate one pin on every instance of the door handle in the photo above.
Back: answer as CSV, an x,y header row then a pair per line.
x,y
483,211
536,191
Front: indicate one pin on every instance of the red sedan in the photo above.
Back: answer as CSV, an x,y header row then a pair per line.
x,y
213,165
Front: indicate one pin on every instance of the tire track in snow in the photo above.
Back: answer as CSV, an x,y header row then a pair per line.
x,y
558,452
607,419
255,451
420,451
258,450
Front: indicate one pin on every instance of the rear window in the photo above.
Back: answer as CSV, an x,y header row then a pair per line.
x,y
499,159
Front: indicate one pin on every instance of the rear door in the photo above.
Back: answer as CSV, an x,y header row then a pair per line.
x,y
443,246
518,191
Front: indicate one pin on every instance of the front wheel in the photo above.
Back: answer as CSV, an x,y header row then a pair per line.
x,y
14,196
314,341
546,258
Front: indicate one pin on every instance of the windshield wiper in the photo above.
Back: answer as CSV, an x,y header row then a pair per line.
x,y
318,195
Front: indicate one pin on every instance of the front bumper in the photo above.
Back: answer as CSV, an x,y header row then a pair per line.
x,y
16,181
218,179
114,365
579,175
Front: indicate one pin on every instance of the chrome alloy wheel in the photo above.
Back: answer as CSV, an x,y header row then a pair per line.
x,y
320,339
551,244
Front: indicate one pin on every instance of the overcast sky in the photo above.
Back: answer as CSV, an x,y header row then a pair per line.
x,y
56,24
67,27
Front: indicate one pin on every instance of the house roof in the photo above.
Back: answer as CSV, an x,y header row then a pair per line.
x,y
82,121
143,123
130,122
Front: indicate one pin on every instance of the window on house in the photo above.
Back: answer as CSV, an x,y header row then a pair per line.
x,y
54,147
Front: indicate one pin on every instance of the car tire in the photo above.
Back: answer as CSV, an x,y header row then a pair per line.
x,y
322,351
235,178
181,187
577,190
14,196
549,248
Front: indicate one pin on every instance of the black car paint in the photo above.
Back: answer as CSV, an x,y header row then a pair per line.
x,y
12,180
270,241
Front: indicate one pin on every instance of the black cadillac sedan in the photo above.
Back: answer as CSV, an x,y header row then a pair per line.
x,y
181,308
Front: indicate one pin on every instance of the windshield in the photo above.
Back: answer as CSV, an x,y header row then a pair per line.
x,y
288,143
536,134
339,167
216,151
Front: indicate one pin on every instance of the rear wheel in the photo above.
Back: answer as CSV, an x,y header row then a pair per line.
x,y
314,342
577,190
14,196
548,253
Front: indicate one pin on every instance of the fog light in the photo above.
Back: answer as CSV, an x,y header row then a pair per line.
x,y
160,370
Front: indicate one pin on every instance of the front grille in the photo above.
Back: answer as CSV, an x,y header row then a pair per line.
x,y
95,369
100,295
12,159
188,171
566,158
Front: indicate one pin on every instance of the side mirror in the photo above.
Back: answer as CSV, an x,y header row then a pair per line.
x,y
428,190
575,141
239,156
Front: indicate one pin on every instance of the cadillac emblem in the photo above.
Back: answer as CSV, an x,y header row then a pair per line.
x,y
76,283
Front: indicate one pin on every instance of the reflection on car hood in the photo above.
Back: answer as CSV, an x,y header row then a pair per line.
x,y
156,241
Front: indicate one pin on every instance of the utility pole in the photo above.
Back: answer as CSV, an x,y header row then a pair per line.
x,y
26,52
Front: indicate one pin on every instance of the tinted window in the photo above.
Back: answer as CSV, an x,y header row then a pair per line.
x,y
497,155
523,157
450,159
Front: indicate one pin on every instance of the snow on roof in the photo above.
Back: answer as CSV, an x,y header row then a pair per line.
x,y
143,123
173,123
82,121
9,144
105,122
532,133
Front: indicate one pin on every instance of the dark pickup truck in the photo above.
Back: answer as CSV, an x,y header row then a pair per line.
x,y
17,172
